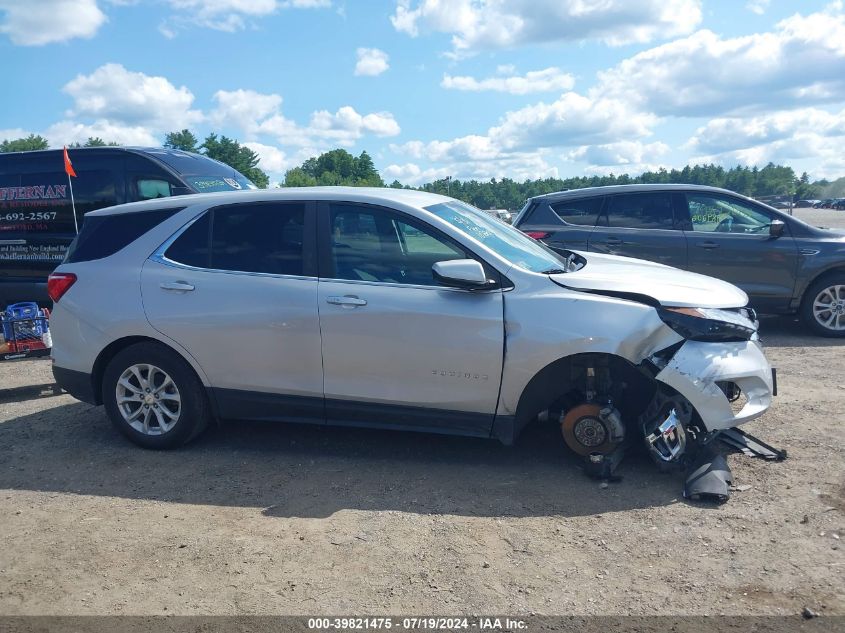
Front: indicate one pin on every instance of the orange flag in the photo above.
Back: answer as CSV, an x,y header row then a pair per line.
x,y
68,165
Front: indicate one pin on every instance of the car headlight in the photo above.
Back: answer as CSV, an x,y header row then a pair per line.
x,y
709,324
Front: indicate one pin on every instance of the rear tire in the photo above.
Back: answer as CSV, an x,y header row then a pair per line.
x,y
823,308
154,397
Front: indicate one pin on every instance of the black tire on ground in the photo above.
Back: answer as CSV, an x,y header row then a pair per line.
x,y
807,313
194,414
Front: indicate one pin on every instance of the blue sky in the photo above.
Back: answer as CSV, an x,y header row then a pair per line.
x,y
435,88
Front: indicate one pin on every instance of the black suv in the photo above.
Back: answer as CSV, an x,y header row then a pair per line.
x,y
36,216
785,265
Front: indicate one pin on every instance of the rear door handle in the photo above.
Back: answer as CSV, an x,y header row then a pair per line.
x,y
708,245
347,301
613,241
178,286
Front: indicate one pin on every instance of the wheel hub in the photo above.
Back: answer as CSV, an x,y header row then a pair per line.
x,y
589,431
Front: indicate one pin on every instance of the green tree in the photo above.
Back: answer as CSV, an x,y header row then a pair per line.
x,y
184,140
94,141
30,143
337,167
232,153
366,174
298,177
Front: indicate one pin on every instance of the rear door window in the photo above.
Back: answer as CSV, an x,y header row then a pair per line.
x,y
266,238
639,211
192,248
582,212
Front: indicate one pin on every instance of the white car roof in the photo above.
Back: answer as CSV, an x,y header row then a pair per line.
x,y
374,195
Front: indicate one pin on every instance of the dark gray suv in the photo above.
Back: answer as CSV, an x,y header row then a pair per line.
x,y
785,265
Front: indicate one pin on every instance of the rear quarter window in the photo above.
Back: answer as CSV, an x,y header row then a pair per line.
x,y
103,236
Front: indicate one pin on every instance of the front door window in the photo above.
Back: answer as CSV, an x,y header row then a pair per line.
x,y
718,214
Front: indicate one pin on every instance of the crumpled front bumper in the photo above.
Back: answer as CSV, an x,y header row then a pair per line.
x,y
696,368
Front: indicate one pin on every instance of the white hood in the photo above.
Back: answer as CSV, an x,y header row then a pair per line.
x,y
669,286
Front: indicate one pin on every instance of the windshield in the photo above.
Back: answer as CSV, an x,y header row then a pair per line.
x,y
207,184
499,237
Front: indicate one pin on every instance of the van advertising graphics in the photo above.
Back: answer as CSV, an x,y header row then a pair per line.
x,y
31,208
43,193
33,252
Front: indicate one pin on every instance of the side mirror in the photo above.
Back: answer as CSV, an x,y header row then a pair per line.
x,y
776,228
461,273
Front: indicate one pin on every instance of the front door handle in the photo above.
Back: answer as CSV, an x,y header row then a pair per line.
x,y
708,245
178,286
346,301
613,241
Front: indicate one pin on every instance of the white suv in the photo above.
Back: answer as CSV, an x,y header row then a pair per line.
x,y
396,309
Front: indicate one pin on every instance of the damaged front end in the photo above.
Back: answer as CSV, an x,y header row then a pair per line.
x,y
716,379
681,403
685,369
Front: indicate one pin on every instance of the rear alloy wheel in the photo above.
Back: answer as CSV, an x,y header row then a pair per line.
x,y
824,306
148,399
154,397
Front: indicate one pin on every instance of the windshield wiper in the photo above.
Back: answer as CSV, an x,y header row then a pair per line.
x,y
553,271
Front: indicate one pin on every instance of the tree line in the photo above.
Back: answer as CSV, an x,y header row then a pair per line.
x,y
339,167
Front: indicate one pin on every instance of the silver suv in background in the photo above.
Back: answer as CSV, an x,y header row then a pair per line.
x,y
393,309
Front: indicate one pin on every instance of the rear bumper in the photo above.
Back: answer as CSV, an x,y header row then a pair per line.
x,y
77,383
697,367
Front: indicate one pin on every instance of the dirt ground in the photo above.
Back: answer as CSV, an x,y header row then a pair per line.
x,y
266,519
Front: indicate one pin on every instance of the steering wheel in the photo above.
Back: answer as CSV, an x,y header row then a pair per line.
x,y
725,226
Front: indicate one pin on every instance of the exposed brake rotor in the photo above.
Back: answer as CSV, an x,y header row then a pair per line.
x,y
585,432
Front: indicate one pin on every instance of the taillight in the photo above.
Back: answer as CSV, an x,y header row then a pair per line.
x,y
58,284
537,235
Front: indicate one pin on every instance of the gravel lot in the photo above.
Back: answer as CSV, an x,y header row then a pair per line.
x,y
302,520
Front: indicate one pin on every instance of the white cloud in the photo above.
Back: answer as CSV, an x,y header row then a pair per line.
x,y
271,159
519,145
371,62
527,143
259,115
67,132
781,137
801,62
347,125
413,174
40,22
13,133
244,108
115,94
570,121
732,133
230,15
620,154
757,6
491,24
573,119
523,167
546,80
